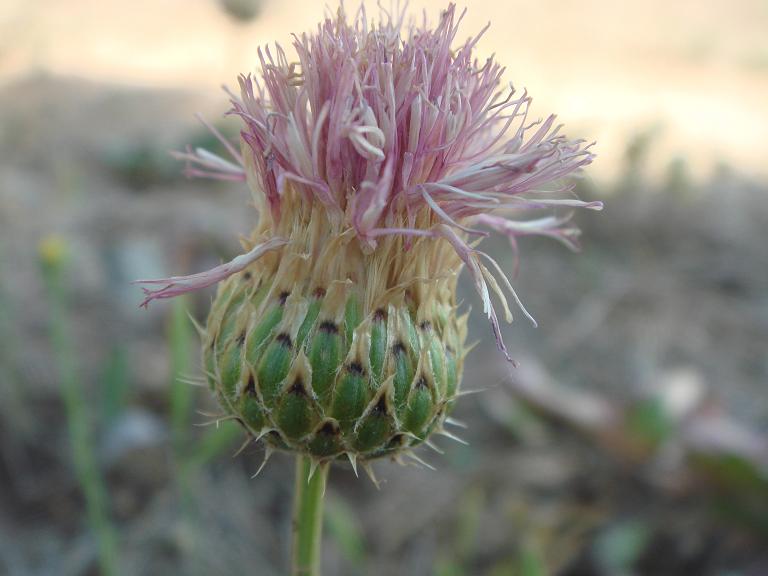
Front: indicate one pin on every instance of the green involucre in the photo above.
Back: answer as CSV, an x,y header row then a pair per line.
x,y
324,376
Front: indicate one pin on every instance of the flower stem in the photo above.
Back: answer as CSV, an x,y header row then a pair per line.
x,y
308,497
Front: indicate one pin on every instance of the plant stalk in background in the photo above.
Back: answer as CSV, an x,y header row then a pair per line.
x,y
53,260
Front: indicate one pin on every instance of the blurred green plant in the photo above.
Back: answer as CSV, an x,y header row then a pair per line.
x,y
344,528
216,441
470,511
526,563
446,567
241,10
648,423
529,563
190,453
116,379
741,489
143,165
179,339
52,256
620,546
455,561
677,178
181,393
13,397
636,155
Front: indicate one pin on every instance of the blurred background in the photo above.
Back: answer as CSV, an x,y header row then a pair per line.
x,y
633,439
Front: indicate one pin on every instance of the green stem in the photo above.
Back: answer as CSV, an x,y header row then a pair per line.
x,y
80,434
308,517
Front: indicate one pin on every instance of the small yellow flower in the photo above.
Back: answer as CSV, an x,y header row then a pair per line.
x,y
52,250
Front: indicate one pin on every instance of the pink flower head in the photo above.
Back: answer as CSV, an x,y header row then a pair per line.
x,y
381,123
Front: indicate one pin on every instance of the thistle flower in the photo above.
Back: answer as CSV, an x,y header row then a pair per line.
x,y
377,162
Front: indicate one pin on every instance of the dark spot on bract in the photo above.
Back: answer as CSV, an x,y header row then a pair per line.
x,y
319,292
283,297
330,428
240,339
380,315
329,327
397,441
381,406
297,387
398,348
356,368
422,382
250,386
284,339
247,276
425,325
